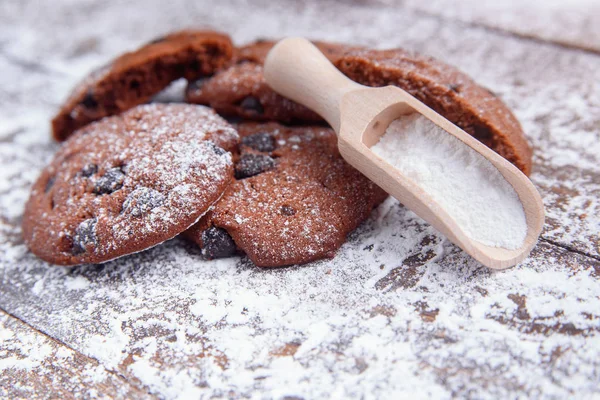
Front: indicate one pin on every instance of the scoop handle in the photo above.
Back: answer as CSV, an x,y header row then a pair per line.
x,y
296,69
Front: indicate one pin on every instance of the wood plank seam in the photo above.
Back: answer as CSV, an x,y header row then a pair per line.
x,y
506,33
569,248
28,65
116,374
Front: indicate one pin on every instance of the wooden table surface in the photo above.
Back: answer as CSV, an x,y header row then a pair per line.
x,y
398,312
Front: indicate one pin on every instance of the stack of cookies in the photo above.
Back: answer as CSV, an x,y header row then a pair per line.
x,y
271,185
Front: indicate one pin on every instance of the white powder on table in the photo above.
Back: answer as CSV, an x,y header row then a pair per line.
x,y
471,190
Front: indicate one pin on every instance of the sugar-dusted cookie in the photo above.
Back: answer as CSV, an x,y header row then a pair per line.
x,y
129,182
135,77
294,199
240,90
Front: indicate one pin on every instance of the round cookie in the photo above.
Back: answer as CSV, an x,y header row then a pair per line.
x,y
129,182
294,199
135,77
240,90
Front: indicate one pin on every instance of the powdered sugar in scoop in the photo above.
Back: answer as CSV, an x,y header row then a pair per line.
x,y
471,190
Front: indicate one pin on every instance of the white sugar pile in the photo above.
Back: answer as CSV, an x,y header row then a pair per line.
x,y
463,182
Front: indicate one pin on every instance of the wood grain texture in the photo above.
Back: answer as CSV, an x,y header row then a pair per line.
x,y
35,366
399,310
574,23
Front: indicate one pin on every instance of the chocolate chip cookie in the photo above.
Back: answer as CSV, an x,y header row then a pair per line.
x,y
250,97
294,199
135,77
129,182
240,90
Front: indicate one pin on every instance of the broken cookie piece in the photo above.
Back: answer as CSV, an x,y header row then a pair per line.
x,y
135,77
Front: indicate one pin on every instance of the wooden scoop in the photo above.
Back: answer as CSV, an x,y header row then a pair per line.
x,y
360,115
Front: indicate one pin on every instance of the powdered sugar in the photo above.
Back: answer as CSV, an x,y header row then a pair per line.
x,y
407,313
33,365
77,283
467,186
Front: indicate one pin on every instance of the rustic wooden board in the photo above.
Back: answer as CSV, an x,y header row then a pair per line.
x,y
35,366
399,311
574,23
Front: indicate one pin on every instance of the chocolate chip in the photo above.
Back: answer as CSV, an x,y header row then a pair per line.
x,y
85,235
49,184
232,119
89,101
142,200
483,134
218,150
252,104
195,66
89,170
287,210
252,164
216,243
111,181
179,70
260,142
